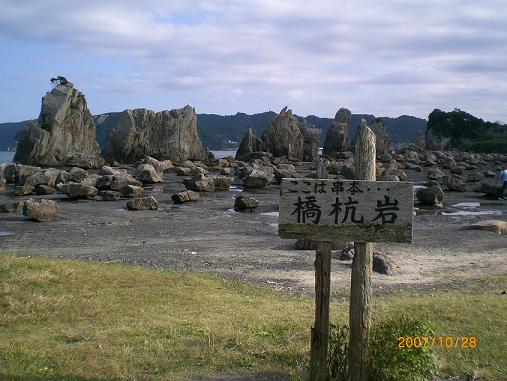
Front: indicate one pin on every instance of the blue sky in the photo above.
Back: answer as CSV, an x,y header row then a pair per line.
x,y
387,58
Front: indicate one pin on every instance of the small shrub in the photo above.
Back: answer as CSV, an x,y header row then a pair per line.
x,y
338,351
387,362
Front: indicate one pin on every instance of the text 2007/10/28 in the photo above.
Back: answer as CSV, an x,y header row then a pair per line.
x,y
445,342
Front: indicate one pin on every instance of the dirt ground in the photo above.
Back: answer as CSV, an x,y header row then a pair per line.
x,y
208,236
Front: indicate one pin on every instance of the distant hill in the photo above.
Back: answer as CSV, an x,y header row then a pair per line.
x,y
10,133
226,131
460,130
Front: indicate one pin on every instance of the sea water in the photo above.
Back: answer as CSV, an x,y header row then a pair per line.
x,y
6,156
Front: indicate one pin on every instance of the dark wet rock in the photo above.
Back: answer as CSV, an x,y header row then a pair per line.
x,y
43,189
109,195
77,191
185,196
64,133
249,144
382,264
104,182
454,183
337,137
41,210
182,171
257,179
147,174
435,174
427,196
131,191
78,174
163,135
348,171
243,203
200,183
11,207
265,157
489,189
199,171
283,138
143,203
475,177
458,170
347,252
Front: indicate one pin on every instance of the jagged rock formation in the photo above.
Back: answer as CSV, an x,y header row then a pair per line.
x,y
282,137
64,132
311,138
337,137
163,135
382,142
250,143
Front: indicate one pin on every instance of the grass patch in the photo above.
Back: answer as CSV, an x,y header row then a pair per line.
x,y
73,320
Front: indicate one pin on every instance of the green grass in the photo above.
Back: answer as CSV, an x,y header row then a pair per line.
x,y
73,320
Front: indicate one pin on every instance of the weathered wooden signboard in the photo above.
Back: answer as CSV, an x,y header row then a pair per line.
x,y
352,210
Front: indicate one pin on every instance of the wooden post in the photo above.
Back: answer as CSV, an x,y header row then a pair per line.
x,y
360,293
319,368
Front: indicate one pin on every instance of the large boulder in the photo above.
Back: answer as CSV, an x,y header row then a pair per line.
x,y
257,179
77,191
143,203
283,138
243,203
427,196
64,132
185,196
41,210
337,137
163,135
250,143
147,174
200,183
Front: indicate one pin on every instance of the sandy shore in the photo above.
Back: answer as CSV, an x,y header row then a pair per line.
x,y
209,236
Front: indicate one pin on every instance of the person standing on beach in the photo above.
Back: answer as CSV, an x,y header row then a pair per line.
x,y
503,177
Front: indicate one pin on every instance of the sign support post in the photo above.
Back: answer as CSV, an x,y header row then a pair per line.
x,y
360,292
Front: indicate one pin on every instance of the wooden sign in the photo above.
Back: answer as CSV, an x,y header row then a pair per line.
x,y
352,210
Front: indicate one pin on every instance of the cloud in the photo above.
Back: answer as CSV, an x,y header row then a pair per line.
x,y
387,58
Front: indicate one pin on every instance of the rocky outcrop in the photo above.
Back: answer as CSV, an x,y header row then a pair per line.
x,y
311,139
250,143
337,137
382,141
64,133
283,138
170,135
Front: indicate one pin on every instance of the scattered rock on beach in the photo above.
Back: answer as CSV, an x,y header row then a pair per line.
x,y
41,210
10,207
44,189
200,183
23,190
109,195
143,203
382,264
497,226
185,196
78,191
243,203
257,179
147,174
131,191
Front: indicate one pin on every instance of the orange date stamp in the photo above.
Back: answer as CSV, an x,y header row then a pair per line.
x,y
432,342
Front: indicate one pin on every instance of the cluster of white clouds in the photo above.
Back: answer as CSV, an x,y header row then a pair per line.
x,y
387,57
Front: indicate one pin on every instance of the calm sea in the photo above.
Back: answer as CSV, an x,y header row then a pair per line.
x,y
7,156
